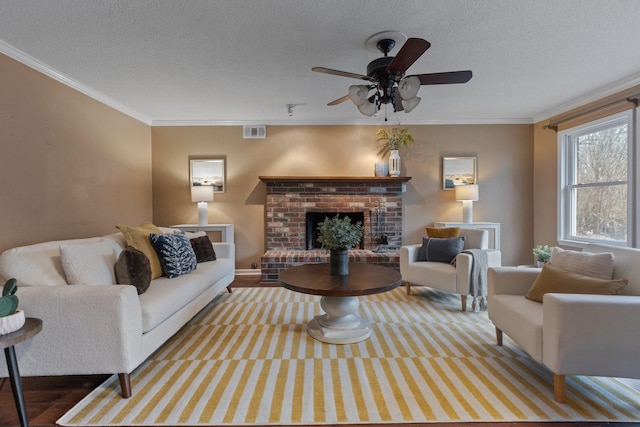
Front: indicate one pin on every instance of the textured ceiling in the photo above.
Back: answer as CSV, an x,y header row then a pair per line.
x,y
243,61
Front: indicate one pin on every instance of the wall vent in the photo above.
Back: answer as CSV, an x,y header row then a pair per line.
x,y
254,132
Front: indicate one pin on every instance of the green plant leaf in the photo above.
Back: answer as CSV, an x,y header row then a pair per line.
x,y
8,305
10,287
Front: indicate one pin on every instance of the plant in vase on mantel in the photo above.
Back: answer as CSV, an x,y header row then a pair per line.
x,y
394,139
339,235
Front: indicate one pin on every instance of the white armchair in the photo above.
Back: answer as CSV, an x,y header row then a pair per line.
x,y
572,334
443,276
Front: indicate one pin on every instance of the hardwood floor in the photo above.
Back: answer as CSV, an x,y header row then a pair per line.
x,y
48,398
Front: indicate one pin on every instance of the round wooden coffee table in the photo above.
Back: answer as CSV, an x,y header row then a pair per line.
x,y
340,323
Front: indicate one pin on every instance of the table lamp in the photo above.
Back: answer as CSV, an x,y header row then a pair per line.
x,y
202,194
467,194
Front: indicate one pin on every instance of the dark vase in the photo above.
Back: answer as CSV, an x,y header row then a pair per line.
x,y
339,262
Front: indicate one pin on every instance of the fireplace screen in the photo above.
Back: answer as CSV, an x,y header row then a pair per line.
x,y
315,218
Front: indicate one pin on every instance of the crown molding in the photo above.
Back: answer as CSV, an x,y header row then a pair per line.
x,y
51,72
615,87
363,122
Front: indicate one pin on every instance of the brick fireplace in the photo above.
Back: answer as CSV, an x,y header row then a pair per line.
x,y
377,199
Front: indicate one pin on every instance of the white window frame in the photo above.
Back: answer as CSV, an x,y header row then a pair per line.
x,y
566,165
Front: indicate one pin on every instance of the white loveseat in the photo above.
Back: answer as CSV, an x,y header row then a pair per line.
x,y
103,329
572,334
443,276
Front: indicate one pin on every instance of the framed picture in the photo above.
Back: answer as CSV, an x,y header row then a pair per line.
x,y
458,171
209,171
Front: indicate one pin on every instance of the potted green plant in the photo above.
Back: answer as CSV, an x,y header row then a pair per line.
x,y
339,235
542,254
394,139
11,319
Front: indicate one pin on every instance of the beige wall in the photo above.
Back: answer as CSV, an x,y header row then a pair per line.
x,y
74,167
505,167
545,186
69,165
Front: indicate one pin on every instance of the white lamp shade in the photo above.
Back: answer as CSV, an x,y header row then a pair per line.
x,y
202,193
368,108
467,192
408,87
358,94
410,104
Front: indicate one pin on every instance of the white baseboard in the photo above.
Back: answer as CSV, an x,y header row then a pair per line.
x,y
248,272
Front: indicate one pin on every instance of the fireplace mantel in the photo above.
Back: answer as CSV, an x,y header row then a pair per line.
x,y
289,178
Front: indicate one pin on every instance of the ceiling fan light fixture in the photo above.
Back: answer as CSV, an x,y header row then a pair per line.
x,y
410,104
408,87
358,94
368,108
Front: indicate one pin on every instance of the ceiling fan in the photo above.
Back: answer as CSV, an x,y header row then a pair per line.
x,y
387,83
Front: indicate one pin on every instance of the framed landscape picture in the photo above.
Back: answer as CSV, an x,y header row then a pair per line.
x,y
209,171
458,171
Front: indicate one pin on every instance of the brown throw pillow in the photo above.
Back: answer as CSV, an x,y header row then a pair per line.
x,y
133,268
556,280
203,248
443,232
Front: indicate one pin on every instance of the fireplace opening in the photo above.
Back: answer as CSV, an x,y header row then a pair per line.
x,y
315,218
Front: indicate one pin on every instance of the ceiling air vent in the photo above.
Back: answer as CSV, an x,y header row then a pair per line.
x,y
254,132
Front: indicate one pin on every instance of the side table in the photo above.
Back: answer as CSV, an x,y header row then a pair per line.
x,y
225,230
31,328
492,227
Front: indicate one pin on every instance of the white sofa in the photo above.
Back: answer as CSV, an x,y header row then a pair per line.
x,y
103,329
443,276
572,334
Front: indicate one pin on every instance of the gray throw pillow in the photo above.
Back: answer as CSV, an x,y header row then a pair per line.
x,y
133,268
440,249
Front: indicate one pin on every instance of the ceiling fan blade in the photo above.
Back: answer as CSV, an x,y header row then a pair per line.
x,y
342,73
339,100
445,78
410,51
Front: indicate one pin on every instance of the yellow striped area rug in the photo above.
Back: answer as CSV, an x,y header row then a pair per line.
x,y
246,359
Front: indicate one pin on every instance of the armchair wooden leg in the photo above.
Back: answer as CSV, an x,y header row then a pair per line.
x,y
499,336
125,385
558,388
463,299
408,285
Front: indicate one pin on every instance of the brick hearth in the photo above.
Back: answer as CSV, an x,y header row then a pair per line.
x,y
289,198
275,260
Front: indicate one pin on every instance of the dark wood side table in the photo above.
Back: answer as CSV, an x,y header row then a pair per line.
x,y
31,328
340,323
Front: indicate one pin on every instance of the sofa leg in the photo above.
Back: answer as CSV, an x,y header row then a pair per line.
x,y
408,285
229,289
463,299
499,336
558,388
125,385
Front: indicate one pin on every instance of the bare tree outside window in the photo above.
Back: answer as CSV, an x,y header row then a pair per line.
x,y
597,184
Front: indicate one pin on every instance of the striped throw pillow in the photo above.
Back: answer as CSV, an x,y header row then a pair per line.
x,y
597,265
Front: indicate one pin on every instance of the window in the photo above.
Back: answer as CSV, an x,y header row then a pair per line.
x,y
596,182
